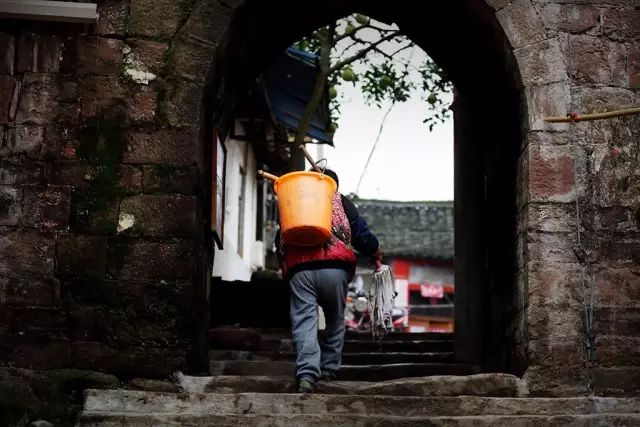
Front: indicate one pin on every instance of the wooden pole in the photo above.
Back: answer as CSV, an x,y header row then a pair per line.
x,y
594,116
308,156
267,175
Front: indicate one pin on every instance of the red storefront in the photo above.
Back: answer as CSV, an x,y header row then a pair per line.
x,y
426,289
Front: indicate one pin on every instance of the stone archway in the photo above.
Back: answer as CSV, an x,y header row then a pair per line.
x,y
97,296
493,115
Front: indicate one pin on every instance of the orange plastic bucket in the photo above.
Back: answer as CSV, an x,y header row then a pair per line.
x,y
305,206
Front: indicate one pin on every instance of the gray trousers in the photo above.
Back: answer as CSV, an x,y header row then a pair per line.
x,y
328,289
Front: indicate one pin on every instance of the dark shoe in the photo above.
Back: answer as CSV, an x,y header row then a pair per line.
x,y
328,376
305,386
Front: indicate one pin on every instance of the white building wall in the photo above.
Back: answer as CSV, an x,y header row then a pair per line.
x,y
235,261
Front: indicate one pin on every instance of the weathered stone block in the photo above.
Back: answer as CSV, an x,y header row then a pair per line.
x,y
131,178
79,255
59,142
171,147
541,63
617,321
595,60
96,55
551,173
69,173
621,23
10,205
24,139
146,55
550,248
29,291
618,381
24,48
593,100
182,102
617,350
634,65
208,20
160,216
100,92
141,106
554,323
111,325
45,98
616,218
47,207
551,217
148,362
7,88
41,354
112,16
50,52
102,220
498,4
169,179
21,172
618,286
545,101
26,252
34,322
149,298
157,19
556,381
521,23
556,352
54,395
555,283
7,53
151,261
624,251
191,58
572,18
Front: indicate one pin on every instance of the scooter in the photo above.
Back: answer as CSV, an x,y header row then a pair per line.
x,y
356,314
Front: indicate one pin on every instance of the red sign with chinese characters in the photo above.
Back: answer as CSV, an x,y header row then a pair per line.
x,y
431,291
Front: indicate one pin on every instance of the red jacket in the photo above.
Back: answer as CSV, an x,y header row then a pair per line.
x,y
335,253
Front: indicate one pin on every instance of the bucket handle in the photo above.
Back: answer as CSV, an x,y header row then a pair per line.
x,y
325,164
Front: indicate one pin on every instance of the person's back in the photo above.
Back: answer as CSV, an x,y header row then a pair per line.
x,y
319,275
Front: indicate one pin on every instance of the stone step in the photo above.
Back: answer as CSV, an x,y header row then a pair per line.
x,y
146,420
347,373
347,358
231,331
419,346
255,340
123,401
495,384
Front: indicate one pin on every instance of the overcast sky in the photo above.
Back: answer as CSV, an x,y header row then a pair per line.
x,y
410,162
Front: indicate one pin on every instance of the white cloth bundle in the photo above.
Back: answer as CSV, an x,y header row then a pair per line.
x,y
381,298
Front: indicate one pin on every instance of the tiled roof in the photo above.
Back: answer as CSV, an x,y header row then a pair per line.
x,y
410,229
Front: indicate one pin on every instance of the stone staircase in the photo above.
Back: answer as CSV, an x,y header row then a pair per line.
x,y
402,380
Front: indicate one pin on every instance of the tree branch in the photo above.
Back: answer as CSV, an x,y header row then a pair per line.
x,y
319,86
364,27
391,56
362,53
345,50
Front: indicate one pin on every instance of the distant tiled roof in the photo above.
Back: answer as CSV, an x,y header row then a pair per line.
x,y
411,229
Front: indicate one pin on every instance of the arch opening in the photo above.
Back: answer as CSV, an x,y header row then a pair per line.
x,y
489,124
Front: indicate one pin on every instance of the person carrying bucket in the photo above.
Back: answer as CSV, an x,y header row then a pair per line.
x,y
319,274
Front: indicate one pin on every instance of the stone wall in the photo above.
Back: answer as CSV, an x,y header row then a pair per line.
x,y
99,214
580,228
103,247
